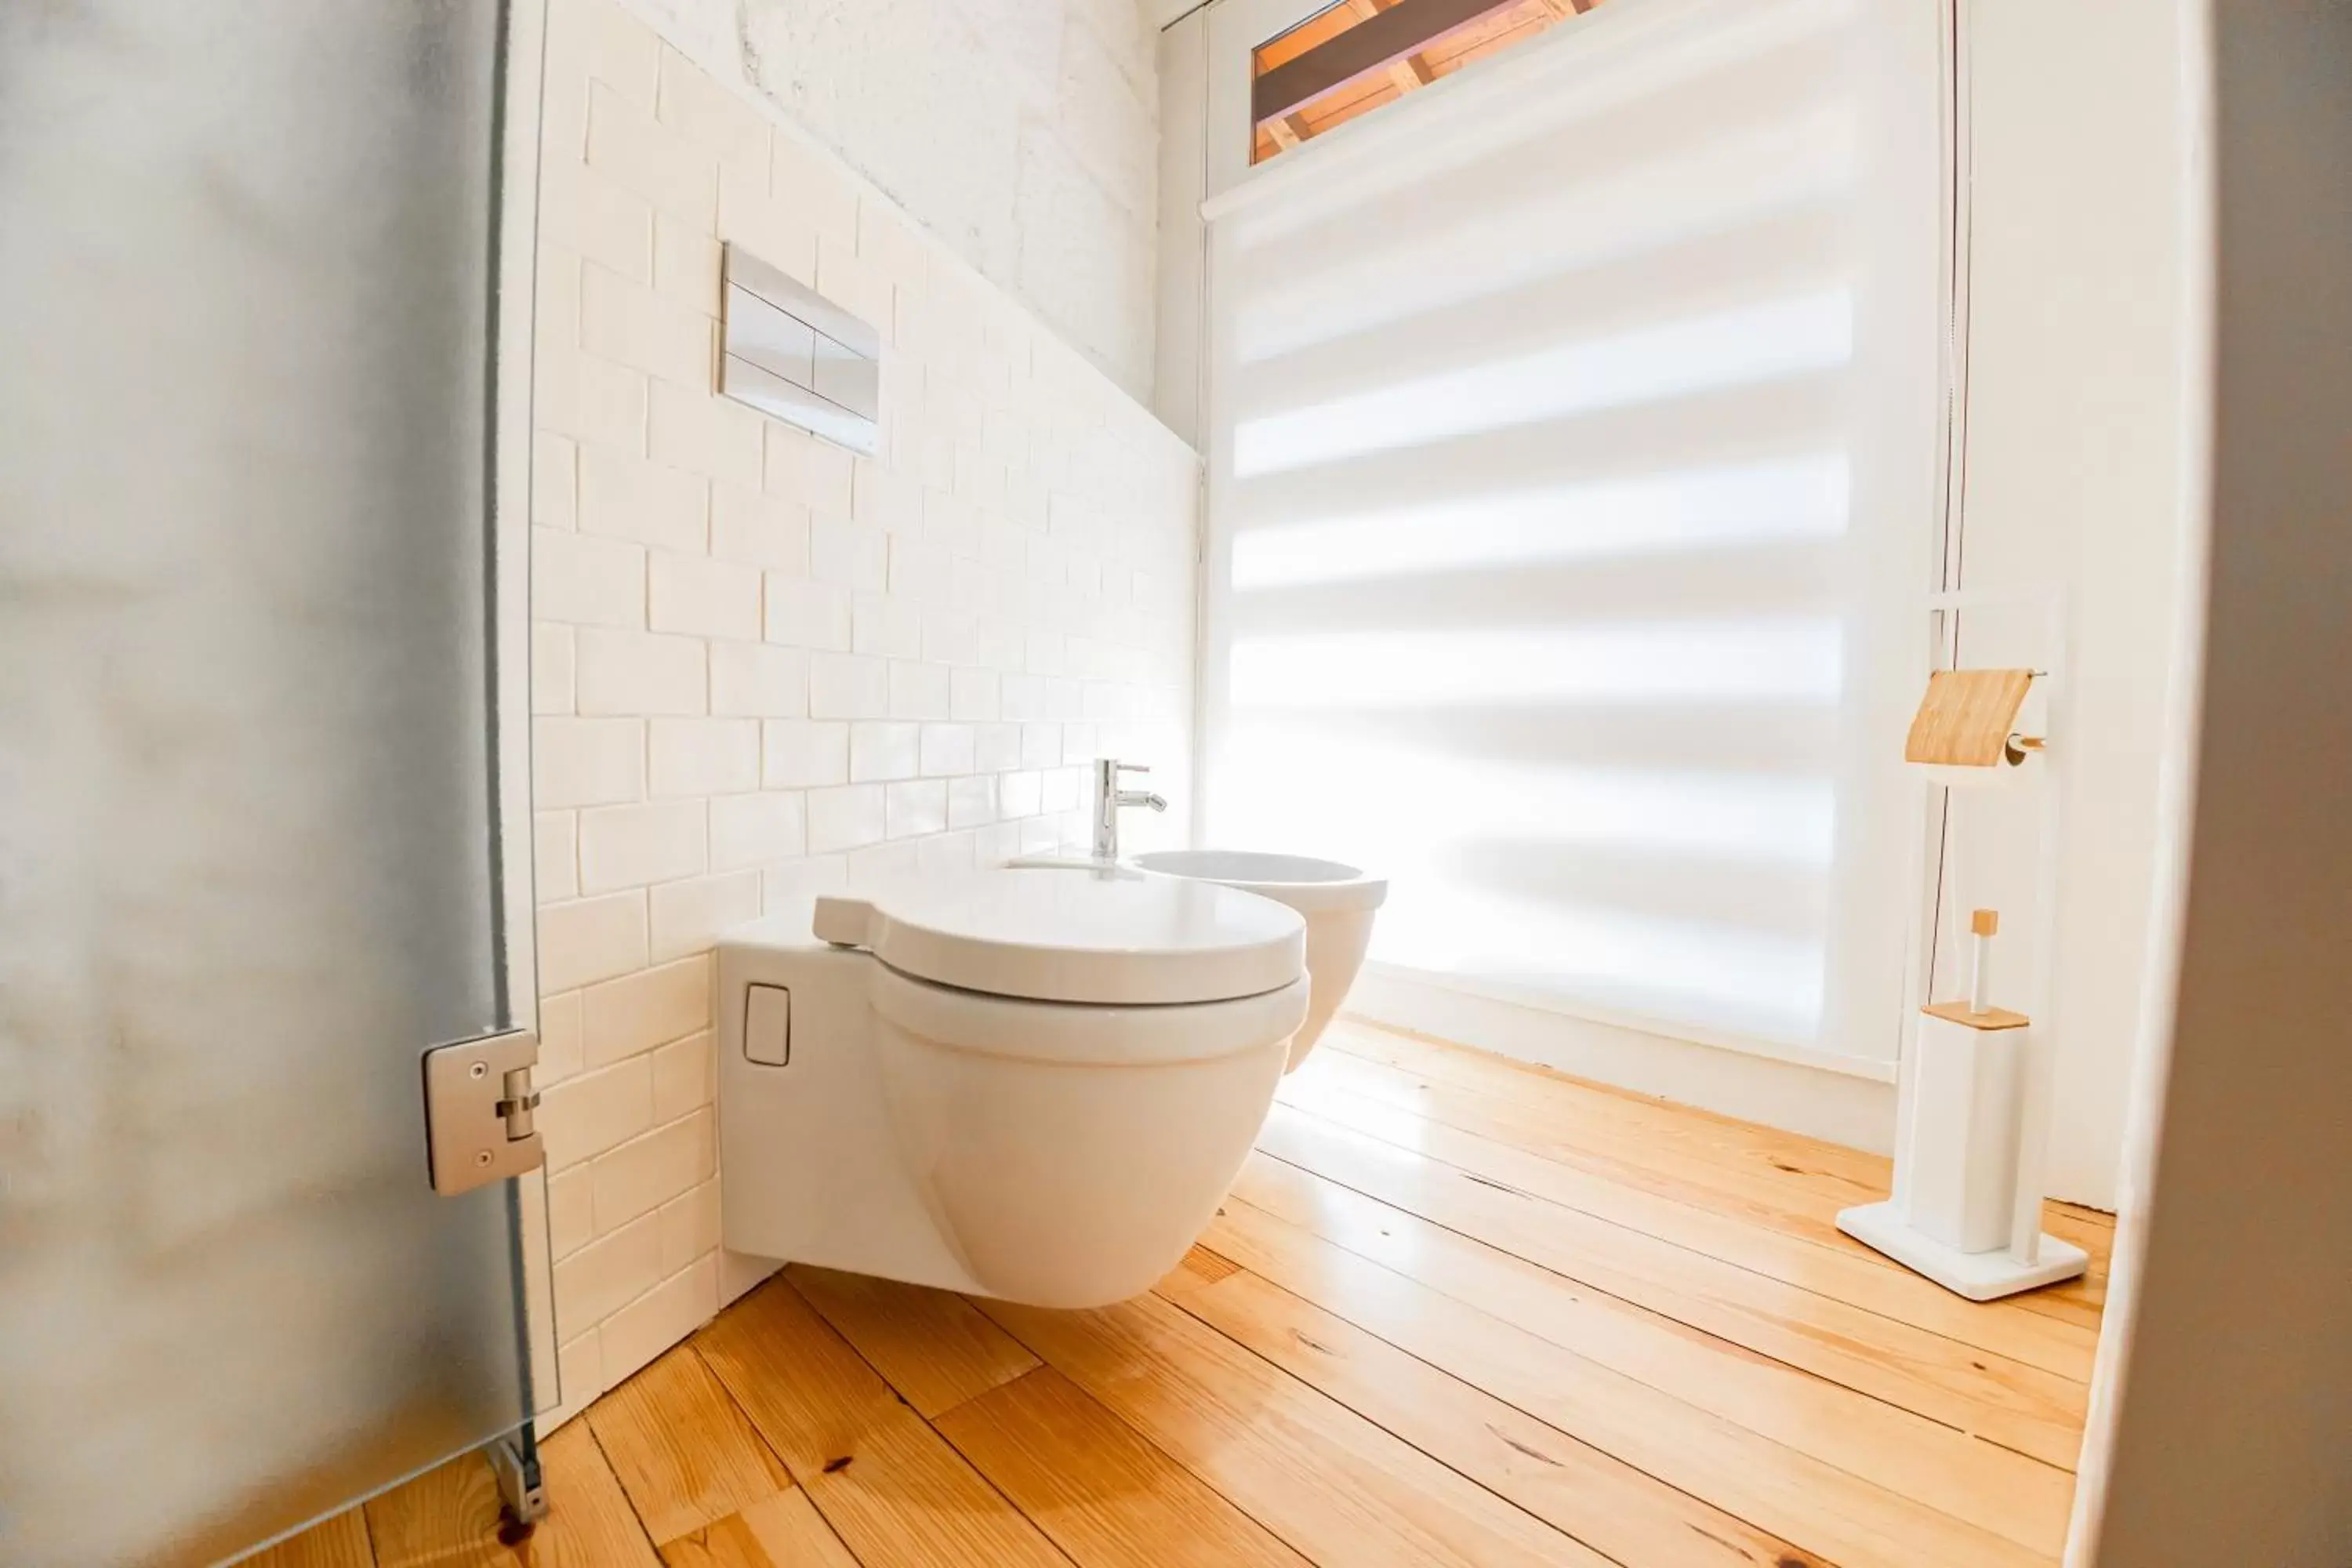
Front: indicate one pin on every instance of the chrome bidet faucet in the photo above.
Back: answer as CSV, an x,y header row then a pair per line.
x,y
1109,797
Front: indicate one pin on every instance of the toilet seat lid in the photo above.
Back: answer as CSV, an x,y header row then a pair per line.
x,y
1108,937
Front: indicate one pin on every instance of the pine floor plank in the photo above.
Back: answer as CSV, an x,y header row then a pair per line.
x,y
1910,1485
450,1518
1611,1507
684,1454
2032,1412
783,1531
929,1345
1606,1115
1658,1274
890,1487
1849,1273
1826,1173
1339,1490
1781,1179
445,1518
1106,1496
337,1542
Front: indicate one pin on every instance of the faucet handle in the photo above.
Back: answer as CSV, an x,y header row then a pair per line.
x,y
1132,767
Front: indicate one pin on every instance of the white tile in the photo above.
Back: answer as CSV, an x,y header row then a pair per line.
x,y
798,753
634,1178
709,115
849,554
703,756
625,1018
634,1334
699,597
693,428
625,322
635,845
554,480
758,680
885,627
844,686
597,404
802,612
584,579
996,748
587,761
754,829
608,1273
626,145
916,807
554,687
689,1227
641,674
810,185
972,801
686,1076
584,210
555,855
802,469
845,818
971,694
686,266
750,217
583,1117
918,690
789,885
686,916
762,530
946,749
624,497
879,751
1021,794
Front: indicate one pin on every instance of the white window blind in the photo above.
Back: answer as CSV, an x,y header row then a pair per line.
x,y
1575,429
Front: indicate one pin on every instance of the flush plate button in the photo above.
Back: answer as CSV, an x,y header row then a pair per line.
x,y
768,1025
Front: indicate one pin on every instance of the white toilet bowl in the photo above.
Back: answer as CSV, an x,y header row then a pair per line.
x,y
1035,1085
1337,901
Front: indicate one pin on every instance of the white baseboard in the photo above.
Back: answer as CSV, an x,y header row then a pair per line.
x,y
1840,1106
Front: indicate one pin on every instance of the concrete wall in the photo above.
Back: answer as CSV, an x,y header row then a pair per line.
x,y
1022,133
2076,360
761,664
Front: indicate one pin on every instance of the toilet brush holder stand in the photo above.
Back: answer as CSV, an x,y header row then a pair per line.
x,y
1955,1215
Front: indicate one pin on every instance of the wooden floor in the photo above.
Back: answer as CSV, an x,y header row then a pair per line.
x,y
1455,1312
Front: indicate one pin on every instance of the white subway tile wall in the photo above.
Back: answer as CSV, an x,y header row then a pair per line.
x,y
763,666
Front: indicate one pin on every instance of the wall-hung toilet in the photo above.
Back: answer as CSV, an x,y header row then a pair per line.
x,y
1337,901
1030,1084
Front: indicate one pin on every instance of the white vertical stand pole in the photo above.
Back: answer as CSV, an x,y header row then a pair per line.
x,y
2041,1042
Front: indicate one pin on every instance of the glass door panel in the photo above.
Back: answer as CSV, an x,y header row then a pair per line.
x,y
255,799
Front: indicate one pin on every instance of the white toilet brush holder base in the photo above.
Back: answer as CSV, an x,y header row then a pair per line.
x,y
1978,1276
1957,1215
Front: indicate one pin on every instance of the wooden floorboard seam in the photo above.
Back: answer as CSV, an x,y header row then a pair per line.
x,y
1403,1438
783,1281
1831,1303
1347,1130
2055,1304
1409,1439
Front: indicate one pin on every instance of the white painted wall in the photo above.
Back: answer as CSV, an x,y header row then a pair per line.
x,y
2222,1400
1023,134
2075,367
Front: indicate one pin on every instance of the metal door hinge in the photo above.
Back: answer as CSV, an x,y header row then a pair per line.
x,y
479,1111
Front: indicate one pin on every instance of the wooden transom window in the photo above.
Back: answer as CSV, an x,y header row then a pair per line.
x,y
1355,55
